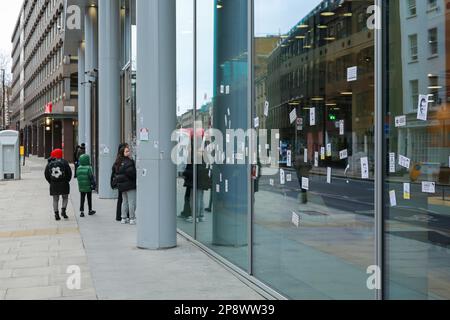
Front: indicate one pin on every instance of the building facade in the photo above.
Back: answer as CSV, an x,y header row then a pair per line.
x,y
346,193
44,98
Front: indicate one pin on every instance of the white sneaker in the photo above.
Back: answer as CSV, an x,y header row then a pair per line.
x,y
124,221
133,222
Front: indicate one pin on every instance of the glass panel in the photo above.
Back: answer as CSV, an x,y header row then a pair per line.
x,y
314,82
417,208
185,109
222,189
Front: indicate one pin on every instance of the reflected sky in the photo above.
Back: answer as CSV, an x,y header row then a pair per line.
x,y
276,17
272,17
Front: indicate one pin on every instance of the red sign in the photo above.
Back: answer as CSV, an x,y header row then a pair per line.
x,y
49,108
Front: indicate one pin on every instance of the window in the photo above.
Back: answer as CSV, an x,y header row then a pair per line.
x,y
433,87
413,47
432,4
412,7
414,86
432,41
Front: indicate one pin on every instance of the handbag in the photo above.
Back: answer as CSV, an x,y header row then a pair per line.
x,y
93,182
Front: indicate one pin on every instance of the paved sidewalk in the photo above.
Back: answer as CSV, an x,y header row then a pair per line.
x,y
121,271
35,252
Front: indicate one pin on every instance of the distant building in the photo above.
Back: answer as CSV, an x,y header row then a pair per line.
x,y
44,94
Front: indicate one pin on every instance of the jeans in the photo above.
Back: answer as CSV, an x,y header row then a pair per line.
x,y
65,201
129,204
83,199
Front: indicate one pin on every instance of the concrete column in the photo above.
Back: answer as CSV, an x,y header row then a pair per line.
x,y
109,92
33,140
156,105
37,139
41,130
67,136
81,96
90,63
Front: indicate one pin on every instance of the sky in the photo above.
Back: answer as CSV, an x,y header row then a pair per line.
x,y
9,12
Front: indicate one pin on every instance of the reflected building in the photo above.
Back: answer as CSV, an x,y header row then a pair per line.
x,y
309,69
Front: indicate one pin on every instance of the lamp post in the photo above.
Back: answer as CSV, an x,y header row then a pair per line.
x,y
3,99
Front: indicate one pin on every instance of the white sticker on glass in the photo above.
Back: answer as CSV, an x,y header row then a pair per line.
x,y
400,121
352,74
404,161
312,116
329,175
393,198
282,177
422,108
391,162
305,183
295,219
343,154
407,191
341,127
365,168
329,150
266,108
428,187
256,122
293,116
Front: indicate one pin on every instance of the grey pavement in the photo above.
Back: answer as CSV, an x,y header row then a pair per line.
x,y
35,252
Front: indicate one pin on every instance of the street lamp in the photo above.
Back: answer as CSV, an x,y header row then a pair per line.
x,y
3,99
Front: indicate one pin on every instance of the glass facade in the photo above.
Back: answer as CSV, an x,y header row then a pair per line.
x,y
290,198
417,150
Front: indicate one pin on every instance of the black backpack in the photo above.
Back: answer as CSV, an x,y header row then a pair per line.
x,y
57,171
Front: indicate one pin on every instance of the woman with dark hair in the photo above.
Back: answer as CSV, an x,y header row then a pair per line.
x,y
125,180
114,184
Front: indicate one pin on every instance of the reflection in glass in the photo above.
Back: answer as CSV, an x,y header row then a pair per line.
x,y
185,111
417,207
222,189
314,81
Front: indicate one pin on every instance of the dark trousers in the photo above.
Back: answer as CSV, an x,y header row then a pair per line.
x,y
83,199
187,212
119,207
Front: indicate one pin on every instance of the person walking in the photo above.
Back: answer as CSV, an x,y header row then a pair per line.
x,y
58,174
114,186
126,183
79,151
86,184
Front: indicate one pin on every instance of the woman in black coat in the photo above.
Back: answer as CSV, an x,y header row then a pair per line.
x,y
114,186
125,180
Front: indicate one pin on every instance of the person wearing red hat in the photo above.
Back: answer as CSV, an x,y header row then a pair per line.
x,y
58,174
